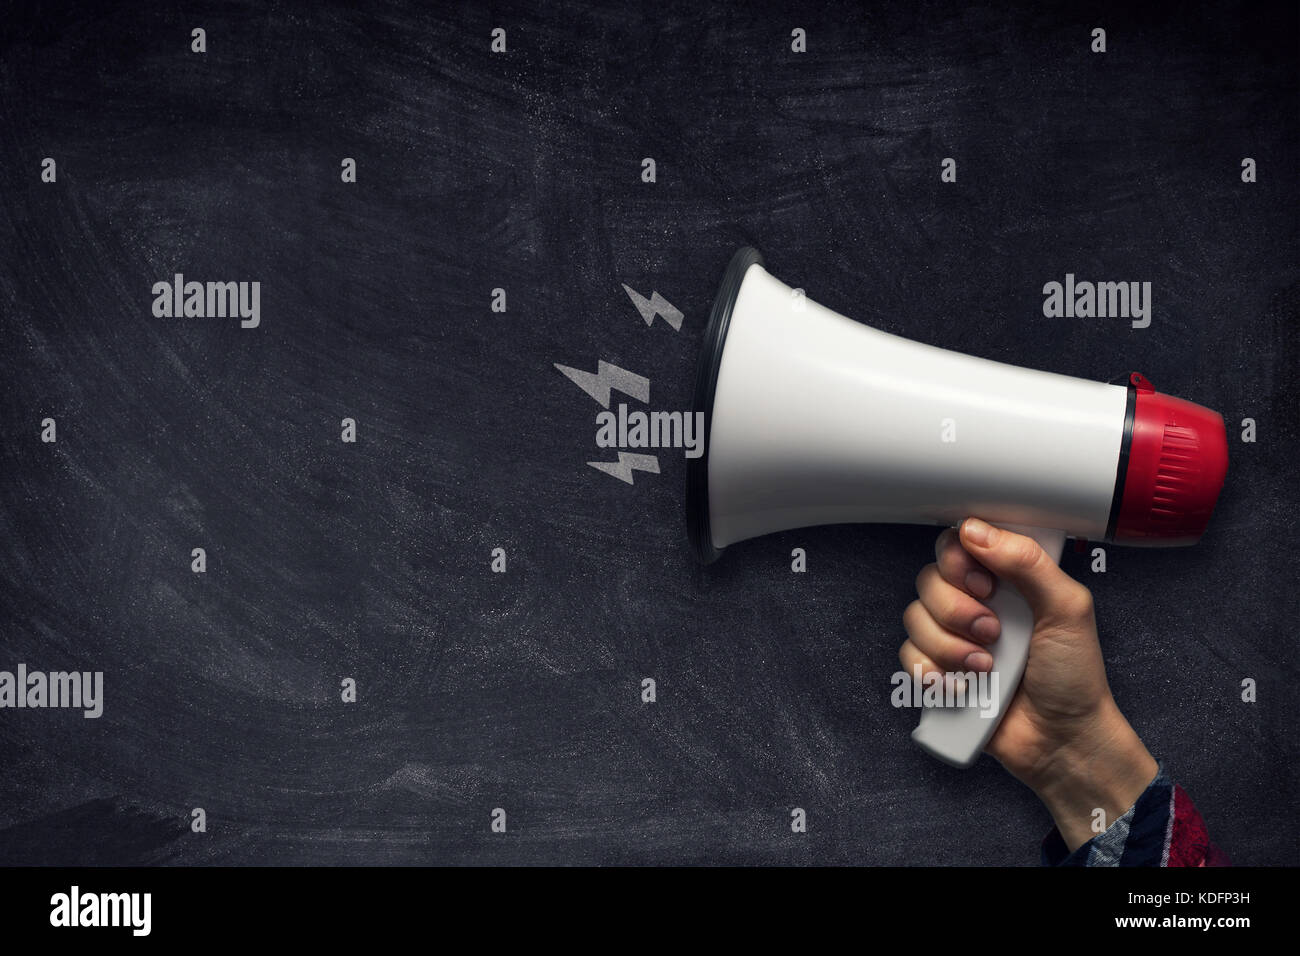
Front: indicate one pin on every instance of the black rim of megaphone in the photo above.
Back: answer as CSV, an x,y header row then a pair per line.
x,y
706,382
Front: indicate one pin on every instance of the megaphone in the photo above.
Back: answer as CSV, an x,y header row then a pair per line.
x,y
812,418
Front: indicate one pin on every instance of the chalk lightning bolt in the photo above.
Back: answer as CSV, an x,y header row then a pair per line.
x,y
626,464
655,305
607,377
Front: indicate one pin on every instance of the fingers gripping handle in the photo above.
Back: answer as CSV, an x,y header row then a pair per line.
x,y
958,735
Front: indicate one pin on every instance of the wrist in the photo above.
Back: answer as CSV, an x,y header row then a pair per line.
x,y
1104,767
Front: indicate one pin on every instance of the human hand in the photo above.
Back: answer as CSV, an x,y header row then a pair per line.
x,y
1062,734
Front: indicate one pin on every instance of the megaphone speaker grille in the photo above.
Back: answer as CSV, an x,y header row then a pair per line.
x,y
706,383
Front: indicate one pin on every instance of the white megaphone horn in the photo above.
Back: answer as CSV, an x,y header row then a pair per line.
x,y
812,418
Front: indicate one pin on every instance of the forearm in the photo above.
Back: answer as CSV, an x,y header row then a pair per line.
x,y
1106,770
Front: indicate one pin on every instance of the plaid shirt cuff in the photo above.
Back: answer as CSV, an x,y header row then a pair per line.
x,y
1163,828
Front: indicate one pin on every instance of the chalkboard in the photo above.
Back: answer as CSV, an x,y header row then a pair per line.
x,y
515,161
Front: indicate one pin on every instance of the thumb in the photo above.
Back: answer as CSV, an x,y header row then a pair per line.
x,y
1021,562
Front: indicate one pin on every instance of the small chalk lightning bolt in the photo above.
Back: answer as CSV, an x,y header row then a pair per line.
x,y
655,305
626,464
607,377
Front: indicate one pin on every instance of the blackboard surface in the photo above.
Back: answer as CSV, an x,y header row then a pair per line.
x,y
522,171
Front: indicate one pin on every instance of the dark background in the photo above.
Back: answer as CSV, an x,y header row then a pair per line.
x,y
522,171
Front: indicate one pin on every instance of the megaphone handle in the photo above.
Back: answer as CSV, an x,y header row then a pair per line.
x,y
958,735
